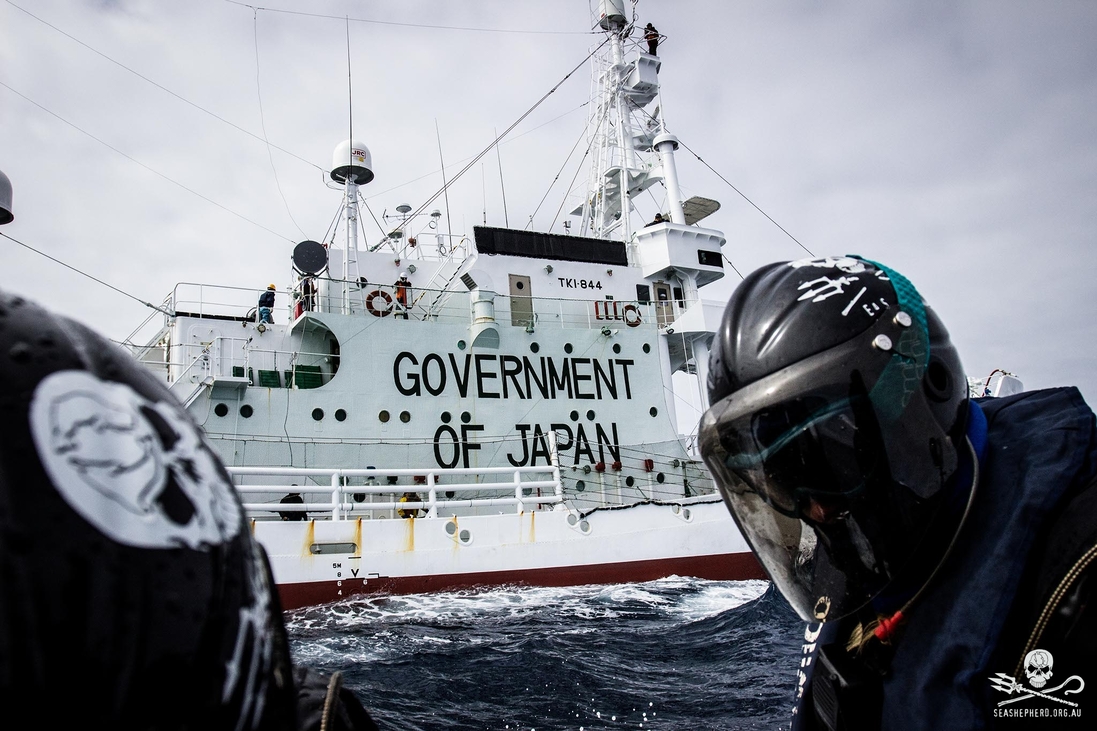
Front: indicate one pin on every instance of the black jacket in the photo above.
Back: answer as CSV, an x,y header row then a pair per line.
x,y
1021,578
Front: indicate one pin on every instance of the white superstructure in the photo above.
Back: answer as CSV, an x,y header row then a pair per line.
x,y
515,388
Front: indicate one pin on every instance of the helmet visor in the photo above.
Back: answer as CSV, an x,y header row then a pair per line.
x,y
803,467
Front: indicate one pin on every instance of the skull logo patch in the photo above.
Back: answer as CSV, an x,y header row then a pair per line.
x,y
135,469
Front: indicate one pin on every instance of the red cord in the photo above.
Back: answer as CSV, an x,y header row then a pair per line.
x,y
887,626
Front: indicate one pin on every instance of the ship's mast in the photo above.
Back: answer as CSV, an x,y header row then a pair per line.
x,y
624,81
352,165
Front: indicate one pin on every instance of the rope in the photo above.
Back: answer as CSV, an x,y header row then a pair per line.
x,y
497,140
162,87
95,279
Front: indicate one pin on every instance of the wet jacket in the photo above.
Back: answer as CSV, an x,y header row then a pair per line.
x,y
1020,578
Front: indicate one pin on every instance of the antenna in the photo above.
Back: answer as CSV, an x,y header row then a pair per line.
x,y
502,187
350,99
445,185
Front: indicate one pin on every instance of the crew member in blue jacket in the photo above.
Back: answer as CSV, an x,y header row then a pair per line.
x,y
940,548
266,304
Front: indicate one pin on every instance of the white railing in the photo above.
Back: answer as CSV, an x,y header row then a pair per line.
x,y
340,504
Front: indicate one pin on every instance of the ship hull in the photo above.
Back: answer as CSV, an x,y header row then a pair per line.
x,y
316,562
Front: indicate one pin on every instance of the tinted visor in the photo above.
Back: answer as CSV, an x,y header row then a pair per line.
x,y
808,455
803,465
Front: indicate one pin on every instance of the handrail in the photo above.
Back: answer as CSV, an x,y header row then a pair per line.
x,y
342,506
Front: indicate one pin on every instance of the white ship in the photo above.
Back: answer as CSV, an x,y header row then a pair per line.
x,y
514,399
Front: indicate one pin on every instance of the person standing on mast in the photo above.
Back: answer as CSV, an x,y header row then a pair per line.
x,y
651,35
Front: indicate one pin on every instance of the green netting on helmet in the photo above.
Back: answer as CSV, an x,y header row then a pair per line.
x,y
903,375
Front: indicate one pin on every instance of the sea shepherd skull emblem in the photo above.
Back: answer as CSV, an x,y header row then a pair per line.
x,y
1038,668
135,469
1038,665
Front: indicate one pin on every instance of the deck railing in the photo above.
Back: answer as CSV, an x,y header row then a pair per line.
x,y
515,487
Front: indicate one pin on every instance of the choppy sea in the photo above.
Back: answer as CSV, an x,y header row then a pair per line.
x,y
671,654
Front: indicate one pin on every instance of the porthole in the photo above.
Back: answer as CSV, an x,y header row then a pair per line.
x,y
616,347
574,415
534,347
653,411
647,348
464,536
460,344
383,416
567,347
317,414
450,494
660,478
405,416
520,285
221,409
451,527
246,411
340,415
580,486
590,415
446,417
466,417
629,481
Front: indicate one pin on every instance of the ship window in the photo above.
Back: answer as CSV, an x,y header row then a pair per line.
x,y
317,414
567,347
574,416
653,411
643,293
580,486
460,344
446,416
629,481
660,478
383,416
534,347
616,347
221,409
405,416
340,415
466,417
590,415
647,348
246,411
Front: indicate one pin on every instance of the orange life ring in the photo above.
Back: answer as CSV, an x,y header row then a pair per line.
x,y
386,309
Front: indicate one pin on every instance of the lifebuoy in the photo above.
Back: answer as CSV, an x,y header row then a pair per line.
x,y
385,309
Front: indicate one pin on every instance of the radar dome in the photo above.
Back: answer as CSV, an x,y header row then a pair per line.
x,y
352,161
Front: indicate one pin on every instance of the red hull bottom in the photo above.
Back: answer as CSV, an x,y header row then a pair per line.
x,y
726,567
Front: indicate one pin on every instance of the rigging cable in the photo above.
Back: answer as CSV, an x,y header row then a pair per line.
x,y
89,276
574,147
730,185
146,167
164,88
744,197
416,25
496,141
263,125
579,169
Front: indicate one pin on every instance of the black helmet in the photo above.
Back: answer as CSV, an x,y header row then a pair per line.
x,y
132,594
838,404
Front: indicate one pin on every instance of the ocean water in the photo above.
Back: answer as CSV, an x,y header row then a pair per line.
x,y
671,654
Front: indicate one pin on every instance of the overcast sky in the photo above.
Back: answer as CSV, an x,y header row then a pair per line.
x,y
954,141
